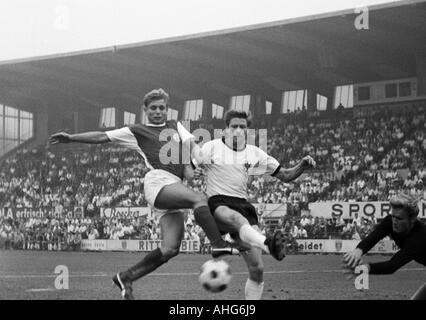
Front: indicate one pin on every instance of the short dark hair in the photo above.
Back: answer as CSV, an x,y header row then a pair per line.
x,y
231,114
156,94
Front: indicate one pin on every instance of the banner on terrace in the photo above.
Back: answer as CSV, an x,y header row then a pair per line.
x,y
126,212
42,212
265,209
347,210
341,246
135,245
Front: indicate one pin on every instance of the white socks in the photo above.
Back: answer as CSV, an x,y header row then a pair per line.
x,y
253,237
253,290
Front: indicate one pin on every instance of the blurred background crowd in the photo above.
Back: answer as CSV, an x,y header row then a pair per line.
x,y
364,155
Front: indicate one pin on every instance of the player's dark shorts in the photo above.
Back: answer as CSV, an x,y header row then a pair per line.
x,y
238,204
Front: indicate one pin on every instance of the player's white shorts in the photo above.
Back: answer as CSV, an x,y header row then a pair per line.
x,y
154,181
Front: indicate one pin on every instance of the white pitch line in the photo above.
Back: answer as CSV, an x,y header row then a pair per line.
x,y
104,274
40,290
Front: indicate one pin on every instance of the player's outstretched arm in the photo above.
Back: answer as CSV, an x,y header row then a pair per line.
x,y
390,266
92,137
353,258
382,230
287,175
398,260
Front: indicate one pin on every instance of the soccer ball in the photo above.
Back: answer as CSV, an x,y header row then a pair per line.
x,y
215,275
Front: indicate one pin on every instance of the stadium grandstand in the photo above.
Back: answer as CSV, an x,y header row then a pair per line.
x,y
354,99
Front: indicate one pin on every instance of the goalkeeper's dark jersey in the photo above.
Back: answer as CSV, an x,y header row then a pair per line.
x,y
412,246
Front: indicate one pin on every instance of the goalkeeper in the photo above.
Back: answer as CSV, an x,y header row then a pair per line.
x,y
406,230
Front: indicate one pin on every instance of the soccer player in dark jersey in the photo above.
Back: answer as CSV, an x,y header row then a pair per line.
x,y
406,230
163,186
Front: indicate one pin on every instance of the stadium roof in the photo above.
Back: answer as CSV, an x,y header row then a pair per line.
x,y
317,52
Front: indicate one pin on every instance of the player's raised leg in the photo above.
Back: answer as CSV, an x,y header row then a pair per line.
x,y
272,244
172,230
178,196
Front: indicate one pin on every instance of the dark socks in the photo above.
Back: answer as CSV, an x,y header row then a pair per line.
x,y
205,220
149,263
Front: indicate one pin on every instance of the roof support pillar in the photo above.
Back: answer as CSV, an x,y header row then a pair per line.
x,y
421,74
312,100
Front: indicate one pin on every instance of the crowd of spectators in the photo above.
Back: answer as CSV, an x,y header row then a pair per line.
x,y
308,227
368,155
66,234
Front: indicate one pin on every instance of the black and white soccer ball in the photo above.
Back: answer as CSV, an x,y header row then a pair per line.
x,y
215,275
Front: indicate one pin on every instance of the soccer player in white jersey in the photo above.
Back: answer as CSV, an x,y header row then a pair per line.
x,y
228,163
163,187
